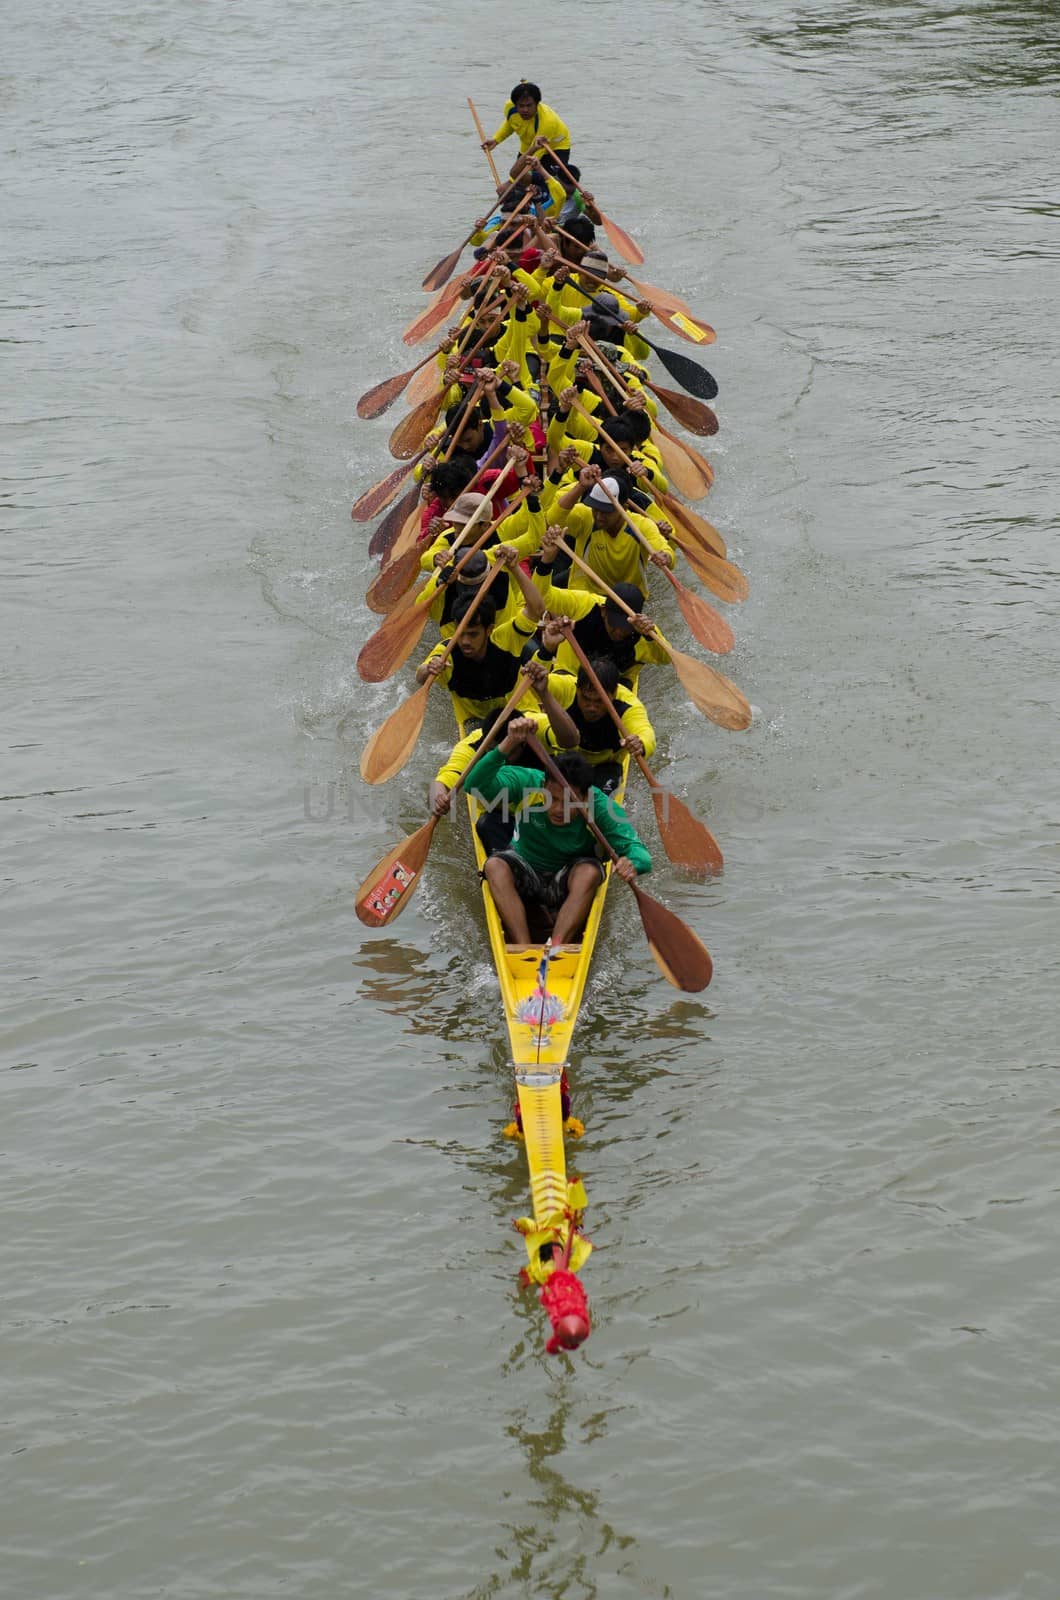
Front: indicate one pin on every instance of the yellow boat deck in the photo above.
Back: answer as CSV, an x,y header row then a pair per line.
x,y
540,1049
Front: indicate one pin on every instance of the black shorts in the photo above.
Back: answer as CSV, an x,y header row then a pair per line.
x,y
543,888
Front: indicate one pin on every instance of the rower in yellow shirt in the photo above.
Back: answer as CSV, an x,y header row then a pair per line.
x,y
536,125
601,535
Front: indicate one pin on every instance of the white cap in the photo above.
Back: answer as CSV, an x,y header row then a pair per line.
x,y
596,495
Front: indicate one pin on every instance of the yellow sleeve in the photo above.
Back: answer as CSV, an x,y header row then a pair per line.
x,y
514,343
512,636
573,603
551,124
562,686
447,672
650,530
458,760
520,408
635,720
648,456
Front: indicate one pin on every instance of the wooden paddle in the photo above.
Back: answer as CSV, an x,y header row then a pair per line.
x,y
407,438
391,745
680,956
394,641
627,247
379,496
674,314
376,400
433,314
386,891
690,413
484,141
385,534
670,446
381,397
399,572
686,840
441,273
710,692
696,379
702,531
703,621
424,383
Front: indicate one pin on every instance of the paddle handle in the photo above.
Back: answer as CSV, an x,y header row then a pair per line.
x,y
590,348
465,621
472,401
612,709
593,423
483,141
606,589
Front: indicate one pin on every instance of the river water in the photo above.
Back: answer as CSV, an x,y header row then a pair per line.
x,y
260,1332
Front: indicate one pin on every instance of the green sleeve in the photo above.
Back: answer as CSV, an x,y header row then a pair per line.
x,y
619,831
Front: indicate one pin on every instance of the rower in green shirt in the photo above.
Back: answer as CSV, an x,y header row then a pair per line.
x,y
551,864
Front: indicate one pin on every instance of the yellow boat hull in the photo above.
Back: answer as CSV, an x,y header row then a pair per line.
x,y
540,1050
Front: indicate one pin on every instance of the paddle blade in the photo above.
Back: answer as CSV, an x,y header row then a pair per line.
x,y
391,745
690,413
391,644
384,537
711,692
375,401
698,558
722,578
702,534
441,274
684,474
688,373
379,496
703,621
680,320
690,451
435,313
407,438
658,297
687,841
427,381
627,248
680,956
393,582
387,890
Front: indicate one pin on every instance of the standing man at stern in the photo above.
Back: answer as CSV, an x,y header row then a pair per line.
x,y
536,125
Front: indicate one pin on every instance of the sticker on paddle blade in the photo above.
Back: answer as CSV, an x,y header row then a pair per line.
x,y
384,896
689,327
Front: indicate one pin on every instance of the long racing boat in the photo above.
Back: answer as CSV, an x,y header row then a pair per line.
x,y
542,988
